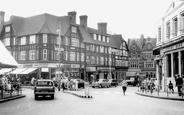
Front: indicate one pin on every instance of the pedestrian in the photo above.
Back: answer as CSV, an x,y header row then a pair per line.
x,y
179,84
170,86
124,86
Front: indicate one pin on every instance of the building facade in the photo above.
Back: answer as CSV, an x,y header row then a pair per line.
x,y
48,44
141,58
169,49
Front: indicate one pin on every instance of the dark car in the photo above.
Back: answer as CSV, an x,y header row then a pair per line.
x,y
80,82
44,87
113,82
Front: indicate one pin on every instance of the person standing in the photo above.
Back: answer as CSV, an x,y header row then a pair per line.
x,y
179,84
124,86
170,85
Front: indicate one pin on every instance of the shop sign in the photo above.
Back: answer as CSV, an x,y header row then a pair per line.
x,y
180,45
90,68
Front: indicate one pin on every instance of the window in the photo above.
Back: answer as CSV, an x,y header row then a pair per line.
x,y
74,29
97,49
14,41
31,54
66,41
168,30
134,64
149,64
92,60
94,36
87,47
92,47
125,53
32,39
101,49
99,38
101,60
66,55
44,38
175,26
108,39
22,55
75,42
159,34
82,56
82,45
97,60
182,22
103,38
44,54
6,41
7,29
77,56
22,40
72,56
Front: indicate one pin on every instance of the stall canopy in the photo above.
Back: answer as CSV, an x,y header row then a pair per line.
x,y
6,60
18,70
29,70
5,70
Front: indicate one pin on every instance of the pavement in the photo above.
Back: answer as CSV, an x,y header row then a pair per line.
x,y
161,95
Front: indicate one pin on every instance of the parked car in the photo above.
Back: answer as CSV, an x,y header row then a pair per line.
x,y
44,87
101,83
113,82
131,81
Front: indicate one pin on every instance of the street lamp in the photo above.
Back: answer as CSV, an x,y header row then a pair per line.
x,y
59,49
110,61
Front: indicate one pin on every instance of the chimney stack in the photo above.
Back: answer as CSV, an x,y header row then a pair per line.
x,y
1,17
72,16
83,20
102,27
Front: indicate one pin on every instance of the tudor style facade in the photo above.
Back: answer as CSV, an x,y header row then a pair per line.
x,y
33,41
141,58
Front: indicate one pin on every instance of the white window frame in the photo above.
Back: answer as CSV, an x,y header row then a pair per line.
x,y
44,54
74,29
72,56
22,55
44,38
78,59
7,29
82,57
32,54
99,38
66,41
23,40
6,41
107,39
75,42
94,36
32,39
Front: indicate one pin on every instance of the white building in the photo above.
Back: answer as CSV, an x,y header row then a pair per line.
x,y
169,49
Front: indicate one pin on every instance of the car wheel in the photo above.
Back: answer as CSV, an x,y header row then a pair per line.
x,y
36,97
52,96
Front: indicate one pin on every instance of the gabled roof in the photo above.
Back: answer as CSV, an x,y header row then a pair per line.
x,y
44,23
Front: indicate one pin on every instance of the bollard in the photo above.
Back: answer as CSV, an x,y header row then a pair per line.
x,y
86,89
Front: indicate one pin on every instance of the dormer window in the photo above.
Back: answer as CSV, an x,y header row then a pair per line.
x,y
94,36
103,38
99,38
74,29
7,29
107,39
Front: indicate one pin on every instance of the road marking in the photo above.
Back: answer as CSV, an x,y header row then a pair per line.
x,y
95,91
106,92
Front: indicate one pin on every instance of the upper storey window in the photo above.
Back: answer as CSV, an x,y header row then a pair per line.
x,y
44,38
94,36
103,38
159,34
75,42
7,29
107,39
22,40
182,22
74,29
32,39
99,38
175,26
168,30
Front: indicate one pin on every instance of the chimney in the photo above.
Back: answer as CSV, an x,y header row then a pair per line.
x,y
83,20
72,16
1,17
102,27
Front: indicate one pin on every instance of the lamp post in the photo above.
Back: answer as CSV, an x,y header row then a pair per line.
x,y
59,49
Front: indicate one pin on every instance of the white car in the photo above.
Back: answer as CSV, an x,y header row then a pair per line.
x,y
101,83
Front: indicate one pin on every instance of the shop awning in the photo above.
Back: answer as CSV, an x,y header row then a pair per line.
x,y
18,70
5,70
29,70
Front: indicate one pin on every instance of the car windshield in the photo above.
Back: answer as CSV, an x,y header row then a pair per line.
x,y
44,83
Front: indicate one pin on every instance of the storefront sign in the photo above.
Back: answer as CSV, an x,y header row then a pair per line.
x,y
180,45
90,68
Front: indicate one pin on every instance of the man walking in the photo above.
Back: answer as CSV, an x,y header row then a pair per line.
x,y
124,86
179,84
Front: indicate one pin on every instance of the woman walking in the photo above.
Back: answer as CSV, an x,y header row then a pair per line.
x,y
124,86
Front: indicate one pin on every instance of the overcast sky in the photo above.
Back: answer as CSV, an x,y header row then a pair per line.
x,y
131,18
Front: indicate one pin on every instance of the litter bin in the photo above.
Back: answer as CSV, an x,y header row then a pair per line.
x,y
86,89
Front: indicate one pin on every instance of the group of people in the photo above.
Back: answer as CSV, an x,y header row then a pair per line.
x,y
147,84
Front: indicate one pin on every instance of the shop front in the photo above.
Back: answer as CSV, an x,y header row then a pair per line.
x,y
105,73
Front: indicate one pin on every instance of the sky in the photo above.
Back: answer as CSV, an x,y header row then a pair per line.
x,y
130,18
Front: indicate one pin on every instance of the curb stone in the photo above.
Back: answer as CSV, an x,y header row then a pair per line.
x,y
81,96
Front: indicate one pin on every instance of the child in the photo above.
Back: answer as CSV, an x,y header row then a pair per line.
x,y
171,87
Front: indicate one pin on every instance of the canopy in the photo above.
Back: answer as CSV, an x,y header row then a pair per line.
x,y
6,59
29,70
5,70
18,70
